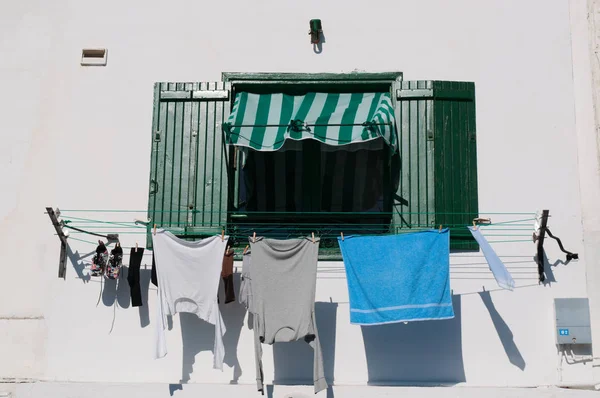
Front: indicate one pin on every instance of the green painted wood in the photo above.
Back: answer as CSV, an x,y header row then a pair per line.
x,y
188,176
303,83
211,191
414,203
456,200
189,187
438,159
153,184
236,77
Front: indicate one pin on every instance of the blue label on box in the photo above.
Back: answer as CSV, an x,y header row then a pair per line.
x,y
563,332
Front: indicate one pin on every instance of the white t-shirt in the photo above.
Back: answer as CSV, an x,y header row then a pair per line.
x,y
188,281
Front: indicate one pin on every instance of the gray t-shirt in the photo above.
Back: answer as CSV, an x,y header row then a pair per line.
x,y
284,276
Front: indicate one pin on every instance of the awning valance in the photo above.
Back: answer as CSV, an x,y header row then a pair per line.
x,y
264,121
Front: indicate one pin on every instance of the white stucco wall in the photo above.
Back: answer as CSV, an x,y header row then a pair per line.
x,y
66,128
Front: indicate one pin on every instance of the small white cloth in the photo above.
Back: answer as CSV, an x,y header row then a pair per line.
x,y
501,274
188,281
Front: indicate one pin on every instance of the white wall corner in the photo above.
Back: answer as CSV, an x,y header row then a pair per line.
x,y
586,82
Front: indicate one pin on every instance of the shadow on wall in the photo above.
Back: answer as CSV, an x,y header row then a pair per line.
x,y
112,289
318,48
116,290
548,272
504,332
198,335
144,287
293,362
417,352
78,264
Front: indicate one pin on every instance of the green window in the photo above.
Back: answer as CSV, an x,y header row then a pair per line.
x,y
199,185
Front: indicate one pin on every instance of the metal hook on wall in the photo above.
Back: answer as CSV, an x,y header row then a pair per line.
x,y
539,236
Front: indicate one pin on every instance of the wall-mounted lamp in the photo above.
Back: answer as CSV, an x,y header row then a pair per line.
x,y
315,31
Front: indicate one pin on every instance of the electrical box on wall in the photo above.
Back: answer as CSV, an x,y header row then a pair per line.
x,y
572,316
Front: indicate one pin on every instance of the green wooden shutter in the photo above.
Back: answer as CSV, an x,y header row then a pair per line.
x,y
188,169
438,158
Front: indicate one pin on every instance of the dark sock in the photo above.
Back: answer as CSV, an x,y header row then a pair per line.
x,y
133,276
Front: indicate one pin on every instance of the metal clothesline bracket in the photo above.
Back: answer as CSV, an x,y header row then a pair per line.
x,y
539,236
62,260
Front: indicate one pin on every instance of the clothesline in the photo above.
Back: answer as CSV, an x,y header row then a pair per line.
x,y
134,224
489,278
310,230
145,211
305,225
421,256
512,227
454,267
243,236
517,228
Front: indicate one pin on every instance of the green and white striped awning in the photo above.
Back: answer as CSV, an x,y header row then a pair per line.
x,y
264,121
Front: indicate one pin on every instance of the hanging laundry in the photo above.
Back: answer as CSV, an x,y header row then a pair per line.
x,y
153,277
284,276
501,274
227,274
245,296
398,278
114,262
99,259
188,281
133,276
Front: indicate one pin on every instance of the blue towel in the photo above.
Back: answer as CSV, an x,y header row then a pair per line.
x,y
501,274
398,278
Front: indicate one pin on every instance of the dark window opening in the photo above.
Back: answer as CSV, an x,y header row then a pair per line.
x,y
311,187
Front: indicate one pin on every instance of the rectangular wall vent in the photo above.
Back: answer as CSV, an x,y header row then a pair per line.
x,y
94,56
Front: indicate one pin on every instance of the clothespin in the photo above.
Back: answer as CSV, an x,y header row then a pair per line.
x,y
246,249
440,231
155,229
136,246
223,235
480,220
254,237
474,225
313,237
341,233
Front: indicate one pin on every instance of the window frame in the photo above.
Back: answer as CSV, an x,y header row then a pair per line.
x,y
272,82
402,92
